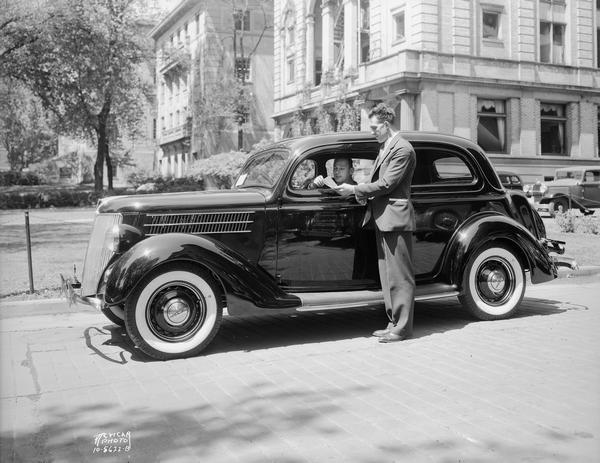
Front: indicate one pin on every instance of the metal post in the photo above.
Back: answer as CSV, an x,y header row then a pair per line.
x,y
28,240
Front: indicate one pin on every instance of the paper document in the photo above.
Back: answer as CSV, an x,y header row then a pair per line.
x,y
330,182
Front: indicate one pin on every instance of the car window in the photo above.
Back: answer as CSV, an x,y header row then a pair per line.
x,y
515,179
451,169
576,174
263,171
304,173
440,167
592,176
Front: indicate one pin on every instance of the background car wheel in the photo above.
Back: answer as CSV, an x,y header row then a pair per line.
x,y
559,205
115,314
174,313
493,283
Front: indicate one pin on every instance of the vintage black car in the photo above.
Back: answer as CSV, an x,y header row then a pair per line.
x,y
167,265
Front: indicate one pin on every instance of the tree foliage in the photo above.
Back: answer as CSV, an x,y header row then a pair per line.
x,y
26,129
226,99
84,63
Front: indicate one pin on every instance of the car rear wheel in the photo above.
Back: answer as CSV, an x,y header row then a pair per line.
x,y
559,205
174,313
493,283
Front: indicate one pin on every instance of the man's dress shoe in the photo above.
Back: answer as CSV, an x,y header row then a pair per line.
x,y
392,337
380,333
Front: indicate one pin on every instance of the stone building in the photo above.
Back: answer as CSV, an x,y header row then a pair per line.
x,y
519,77
195,51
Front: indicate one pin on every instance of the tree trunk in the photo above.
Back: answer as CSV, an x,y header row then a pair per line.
x,y
99,164
102,132
240,137
109,170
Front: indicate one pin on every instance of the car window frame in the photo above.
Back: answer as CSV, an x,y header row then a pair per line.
x,y
429,188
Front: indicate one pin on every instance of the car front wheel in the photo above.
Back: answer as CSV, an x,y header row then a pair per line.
x,y
174,313
493,283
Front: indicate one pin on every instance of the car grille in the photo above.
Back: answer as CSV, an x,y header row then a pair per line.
x,y
199,224
98,253
535,191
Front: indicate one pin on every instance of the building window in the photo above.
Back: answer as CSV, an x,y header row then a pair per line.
x,y
290,70
491,125
398,21
553,122
365,31
289,45
154,129
242,69
490,25
197,23
242,20
598,46
552,43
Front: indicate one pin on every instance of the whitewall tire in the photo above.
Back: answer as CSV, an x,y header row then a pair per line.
x,y
175,312
493,283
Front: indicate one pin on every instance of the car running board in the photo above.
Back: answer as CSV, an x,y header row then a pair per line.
x,y
366,298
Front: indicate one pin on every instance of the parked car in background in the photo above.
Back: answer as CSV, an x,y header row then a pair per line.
x,y
510,180
166,266
572,188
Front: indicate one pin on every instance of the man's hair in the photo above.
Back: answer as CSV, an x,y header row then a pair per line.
x,y
348,161
383,112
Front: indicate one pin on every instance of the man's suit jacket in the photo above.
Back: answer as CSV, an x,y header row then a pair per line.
x,y
389,188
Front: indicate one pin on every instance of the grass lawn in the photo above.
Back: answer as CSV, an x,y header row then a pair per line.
x,y
59,240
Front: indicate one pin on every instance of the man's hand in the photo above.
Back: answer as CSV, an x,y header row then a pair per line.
x,y
345,189
319,181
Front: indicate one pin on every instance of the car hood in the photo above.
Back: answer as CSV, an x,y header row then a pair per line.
x,y
210,199
561,182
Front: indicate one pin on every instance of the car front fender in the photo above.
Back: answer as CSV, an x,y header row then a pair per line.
x,y
574,203
241,278
493,228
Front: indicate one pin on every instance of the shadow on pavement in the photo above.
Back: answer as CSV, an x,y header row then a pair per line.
x,y
271,331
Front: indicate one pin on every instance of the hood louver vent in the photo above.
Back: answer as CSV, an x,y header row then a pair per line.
x,y
199,224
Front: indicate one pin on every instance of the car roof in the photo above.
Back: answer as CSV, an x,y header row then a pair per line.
x,y
507,172
300,144
575,168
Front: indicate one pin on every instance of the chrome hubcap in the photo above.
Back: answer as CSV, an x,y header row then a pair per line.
x,y
177,312
496,282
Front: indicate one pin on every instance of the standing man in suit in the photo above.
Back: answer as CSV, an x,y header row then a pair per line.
x,y
388,195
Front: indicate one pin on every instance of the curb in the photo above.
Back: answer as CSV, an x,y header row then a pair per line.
x,y
586,270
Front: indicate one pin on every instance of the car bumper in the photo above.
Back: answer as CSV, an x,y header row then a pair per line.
x,y
69,289
558,247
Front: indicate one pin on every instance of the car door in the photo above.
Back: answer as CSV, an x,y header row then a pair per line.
x,y
321,243
591,188
446,189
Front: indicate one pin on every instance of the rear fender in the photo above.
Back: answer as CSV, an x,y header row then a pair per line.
x,y
490,227
242,278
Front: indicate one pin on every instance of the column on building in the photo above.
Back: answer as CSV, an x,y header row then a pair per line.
x,y
350,37
310,49
406,111
328,11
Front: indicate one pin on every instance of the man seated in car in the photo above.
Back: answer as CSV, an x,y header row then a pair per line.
x,y
342,173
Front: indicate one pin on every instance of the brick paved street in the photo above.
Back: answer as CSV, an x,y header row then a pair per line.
x,y
312,387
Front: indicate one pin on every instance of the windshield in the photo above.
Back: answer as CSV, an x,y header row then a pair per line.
x,y
263,171
576,174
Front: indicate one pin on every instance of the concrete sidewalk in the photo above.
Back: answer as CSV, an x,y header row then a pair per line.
x,y
311,387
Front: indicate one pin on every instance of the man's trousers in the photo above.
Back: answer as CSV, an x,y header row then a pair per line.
x,y
394,253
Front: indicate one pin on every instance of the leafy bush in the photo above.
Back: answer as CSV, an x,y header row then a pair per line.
x,y
570,222
14,177
566,221
219,170
589,224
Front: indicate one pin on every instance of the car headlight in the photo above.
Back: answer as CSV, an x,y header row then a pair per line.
x,y
543,188
121,237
